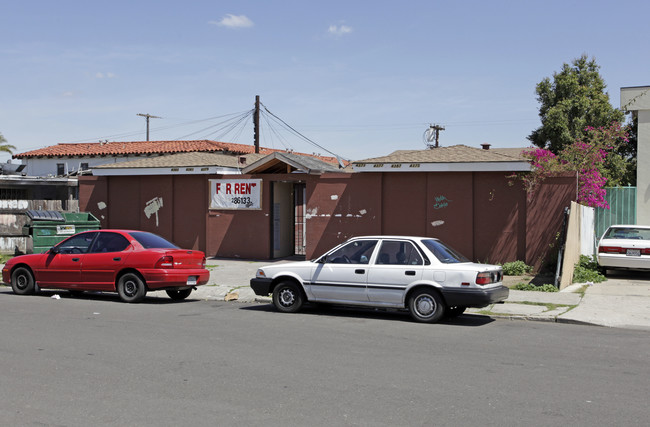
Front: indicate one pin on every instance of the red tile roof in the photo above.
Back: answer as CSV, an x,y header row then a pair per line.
x,y
148,147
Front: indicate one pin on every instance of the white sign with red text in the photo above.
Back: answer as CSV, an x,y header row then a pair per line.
x,y
235,194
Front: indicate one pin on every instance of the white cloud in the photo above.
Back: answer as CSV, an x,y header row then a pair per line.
x,y
100,75
339,30
234,21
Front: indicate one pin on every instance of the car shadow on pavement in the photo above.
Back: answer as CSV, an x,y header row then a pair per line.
x,y
468,320
98,296
628,274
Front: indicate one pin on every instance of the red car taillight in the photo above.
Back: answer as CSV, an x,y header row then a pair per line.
x,y
165,262
203,263
483,278
610,250
619,250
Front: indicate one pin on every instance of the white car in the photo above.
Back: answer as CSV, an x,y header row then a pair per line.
x,y
625,246
420,274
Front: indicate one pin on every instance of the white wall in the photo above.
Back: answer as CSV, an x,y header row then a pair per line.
x,y
47,166
638,99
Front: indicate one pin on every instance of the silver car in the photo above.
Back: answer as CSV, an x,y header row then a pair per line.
x,y
420,274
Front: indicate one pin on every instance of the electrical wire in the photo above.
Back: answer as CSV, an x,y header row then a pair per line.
x,y
295,132
285,142
224,122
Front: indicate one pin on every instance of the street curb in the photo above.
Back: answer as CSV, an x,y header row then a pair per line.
x,y
542,319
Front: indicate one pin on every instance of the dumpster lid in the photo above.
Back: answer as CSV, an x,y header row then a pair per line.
x,y
45,215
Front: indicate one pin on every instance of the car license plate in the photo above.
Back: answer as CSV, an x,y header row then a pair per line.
x,y
191,280
633,252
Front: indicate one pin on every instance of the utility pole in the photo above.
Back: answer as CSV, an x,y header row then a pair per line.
x,y
437,129
256,124
148,116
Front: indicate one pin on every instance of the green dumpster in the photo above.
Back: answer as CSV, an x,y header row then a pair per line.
x,y
48,228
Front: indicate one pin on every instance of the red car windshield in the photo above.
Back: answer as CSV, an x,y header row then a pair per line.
x,y
152,241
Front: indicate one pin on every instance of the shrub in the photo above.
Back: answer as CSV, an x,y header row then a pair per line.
x,y
547,287
587,270
583,275
516,268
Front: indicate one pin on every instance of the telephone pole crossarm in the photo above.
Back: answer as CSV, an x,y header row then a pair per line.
x,y
147,117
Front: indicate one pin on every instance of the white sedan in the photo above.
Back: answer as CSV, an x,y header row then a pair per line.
x,y
420,274
625,246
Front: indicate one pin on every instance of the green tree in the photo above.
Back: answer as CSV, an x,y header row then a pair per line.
x,y
4,147
572,101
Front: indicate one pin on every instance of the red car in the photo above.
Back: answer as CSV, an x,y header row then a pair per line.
x,y
124,261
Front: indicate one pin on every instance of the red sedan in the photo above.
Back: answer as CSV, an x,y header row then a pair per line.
x,y
124,261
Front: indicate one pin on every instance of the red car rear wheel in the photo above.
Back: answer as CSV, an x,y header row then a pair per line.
x,y
131,288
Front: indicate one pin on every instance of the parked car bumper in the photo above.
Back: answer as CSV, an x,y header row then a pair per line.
x,y
175,278
261,286
473,297
624,261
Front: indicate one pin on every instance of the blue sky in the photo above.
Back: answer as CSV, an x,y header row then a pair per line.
x,y
359,78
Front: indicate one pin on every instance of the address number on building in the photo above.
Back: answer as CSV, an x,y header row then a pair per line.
x,y
235,194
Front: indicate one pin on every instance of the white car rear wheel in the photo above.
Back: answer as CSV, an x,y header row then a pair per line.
x,y
426,306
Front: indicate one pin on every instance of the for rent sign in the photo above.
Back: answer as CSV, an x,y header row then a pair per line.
x,y
235,194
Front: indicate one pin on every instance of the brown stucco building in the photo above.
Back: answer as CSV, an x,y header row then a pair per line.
x,y
303,205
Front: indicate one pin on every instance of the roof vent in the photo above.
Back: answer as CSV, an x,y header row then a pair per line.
x,y
486,146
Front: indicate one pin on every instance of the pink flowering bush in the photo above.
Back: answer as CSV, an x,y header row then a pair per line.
x,y
587,157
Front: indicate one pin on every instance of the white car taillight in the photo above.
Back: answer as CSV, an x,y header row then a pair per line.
x,y
260,273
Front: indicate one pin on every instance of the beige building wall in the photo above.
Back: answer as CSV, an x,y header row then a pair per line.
x,y
572,246
637,100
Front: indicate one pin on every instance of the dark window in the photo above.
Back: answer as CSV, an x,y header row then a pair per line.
x,y
84,167
76,244
60,169
109,242
152,241
13,194
444,253
357,252
398,253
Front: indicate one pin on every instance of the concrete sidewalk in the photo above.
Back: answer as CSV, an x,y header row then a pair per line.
x,y
622,301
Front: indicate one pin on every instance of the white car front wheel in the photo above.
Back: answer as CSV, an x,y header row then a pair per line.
x,y
287,297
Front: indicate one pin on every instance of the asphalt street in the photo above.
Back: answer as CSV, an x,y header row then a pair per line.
x,y
97,361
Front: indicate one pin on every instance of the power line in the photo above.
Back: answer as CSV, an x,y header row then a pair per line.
x,y
299,134
215,125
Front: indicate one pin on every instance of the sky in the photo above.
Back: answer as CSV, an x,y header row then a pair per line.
x,y
357,79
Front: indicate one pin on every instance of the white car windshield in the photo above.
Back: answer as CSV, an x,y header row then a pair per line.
x,y
444,253
627,233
